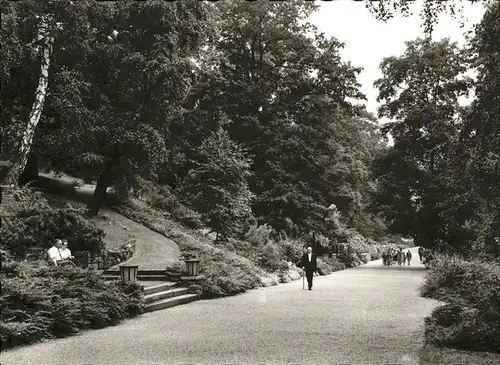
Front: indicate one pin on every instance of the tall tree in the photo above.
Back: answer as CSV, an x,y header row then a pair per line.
x,y
218,186
481,135
283,85
29,30
113,127
420,92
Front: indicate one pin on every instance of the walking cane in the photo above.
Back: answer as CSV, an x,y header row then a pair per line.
x,y
303,285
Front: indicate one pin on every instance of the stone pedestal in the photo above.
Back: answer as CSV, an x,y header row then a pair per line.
x,y
129,273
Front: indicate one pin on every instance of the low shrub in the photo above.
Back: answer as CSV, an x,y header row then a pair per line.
x,y
349,260
323,267
327,265
42,302
258,235
176,270
289,273
474,283
226,275
470,318
187,217
292,249
463,327
270,257
376,255
122,254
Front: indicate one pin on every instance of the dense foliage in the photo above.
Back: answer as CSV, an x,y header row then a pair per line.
x,y
32,224
470,317
243,121
40,302
244,118
439,183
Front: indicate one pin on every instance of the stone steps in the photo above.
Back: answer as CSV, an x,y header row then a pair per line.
x,y
165,294
140,272
158,288
155,297
170,302
139,277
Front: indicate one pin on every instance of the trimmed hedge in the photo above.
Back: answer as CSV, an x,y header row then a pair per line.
x,y
470,317
40,302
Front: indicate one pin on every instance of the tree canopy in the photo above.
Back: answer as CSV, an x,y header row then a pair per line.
x,y
248,112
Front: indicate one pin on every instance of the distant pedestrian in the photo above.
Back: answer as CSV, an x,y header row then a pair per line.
x,y
400,256
310,266
408,257
421,253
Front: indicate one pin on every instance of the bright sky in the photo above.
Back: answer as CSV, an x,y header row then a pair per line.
x,y
368,41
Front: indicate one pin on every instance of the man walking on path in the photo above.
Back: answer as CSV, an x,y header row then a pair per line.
x,y
309,265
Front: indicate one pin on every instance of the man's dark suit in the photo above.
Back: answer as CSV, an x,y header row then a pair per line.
x,y
309,267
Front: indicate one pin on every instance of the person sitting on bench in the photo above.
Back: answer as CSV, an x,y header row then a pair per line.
x,y
58,255
65,251
54,253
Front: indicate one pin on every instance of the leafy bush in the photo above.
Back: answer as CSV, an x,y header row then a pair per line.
x,y
327,265
38,229
258,235
188,217
292,250
463,327
323,267
41,302
270,258
122,254
177,269
226,275
471,316
349,260
164,199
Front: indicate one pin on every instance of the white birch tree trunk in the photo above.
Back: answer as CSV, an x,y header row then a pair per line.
x,y
46,41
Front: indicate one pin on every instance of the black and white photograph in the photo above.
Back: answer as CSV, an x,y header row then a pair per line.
x,y
272,182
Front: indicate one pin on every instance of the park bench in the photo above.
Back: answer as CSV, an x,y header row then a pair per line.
x,y
82,259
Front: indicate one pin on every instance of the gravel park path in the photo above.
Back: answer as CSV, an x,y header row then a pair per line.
x,y
153,250
366,315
